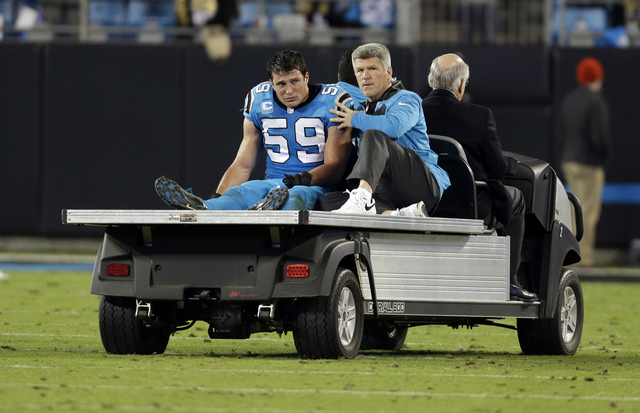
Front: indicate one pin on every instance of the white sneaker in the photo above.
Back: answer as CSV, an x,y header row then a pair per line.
x,y
413,210
358,204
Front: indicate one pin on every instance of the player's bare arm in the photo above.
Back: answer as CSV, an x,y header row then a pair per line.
x,y
336,155
240,169
343,115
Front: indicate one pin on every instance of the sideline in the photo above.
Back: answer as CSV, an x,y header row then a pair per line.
x,y
46,266
607,274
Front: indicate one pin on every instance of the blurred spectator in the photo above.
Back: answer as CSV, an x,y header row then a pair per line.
x,y
615,37
587,147
365,13
262,14
214,17
616,33
60,11
478,21
344,14
316,11
28,15
215,33
377,13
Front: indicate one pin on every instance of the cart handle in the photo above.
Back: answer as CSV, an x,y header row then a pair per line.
x,y
578,211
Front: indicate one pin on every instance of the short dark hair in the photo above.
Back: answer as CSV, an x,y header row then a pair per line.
x,y
286,61
345,69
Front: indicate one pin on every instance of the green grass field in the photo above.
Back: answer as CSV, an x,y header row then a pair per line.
x,y
51,358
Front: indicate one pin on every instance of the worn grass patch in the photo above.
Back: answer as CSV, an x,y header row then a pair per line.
x,y
51,358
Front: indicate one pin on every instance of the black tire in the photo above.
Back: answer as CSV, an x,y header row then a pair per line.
x,y
123,333
378,336
561,334
331,327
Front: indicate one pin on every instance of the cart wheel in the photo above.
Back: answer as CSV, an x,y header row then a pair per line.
x,y
382,337
123,333
561,334
331,327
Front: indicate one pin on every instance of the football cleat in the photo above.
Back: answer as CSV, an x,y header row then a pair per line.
x,y
173,195
275,199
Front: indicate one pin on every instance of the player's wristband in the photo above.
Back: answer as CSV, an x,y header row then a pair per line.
x,y
303,178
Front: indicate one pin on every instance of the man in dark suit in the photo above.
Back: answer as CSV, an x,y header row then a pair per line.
x,y
475,128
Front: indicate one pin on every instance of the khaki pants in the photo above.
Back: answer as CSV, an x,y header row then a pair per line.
x,y
586,182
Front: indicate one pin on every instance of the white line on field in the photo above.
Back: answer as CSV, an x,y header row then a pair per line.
x,y
145,408
330,372
507,376
336,392
47,335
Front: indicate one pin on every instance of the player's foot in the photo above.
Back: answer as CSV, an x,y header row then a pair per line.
x,y
413,210
275,199
175,196
358,204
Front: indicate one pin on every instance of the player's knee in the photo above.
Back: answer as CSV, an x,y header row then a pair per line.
x,y
295,203
235,195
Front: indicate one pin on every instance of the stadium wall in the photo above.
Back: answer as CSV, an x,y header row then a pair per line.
x,y
92,126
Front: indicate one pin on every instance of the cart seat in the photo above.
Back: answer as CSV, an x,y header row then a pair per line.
x,y
460,199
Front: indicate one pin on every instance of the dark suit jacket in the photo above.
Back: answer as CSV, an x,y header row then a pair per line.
x,y
475,128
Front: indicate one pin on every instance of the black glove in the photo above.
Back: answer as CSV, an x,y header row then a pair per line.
x,y
215,195
303,178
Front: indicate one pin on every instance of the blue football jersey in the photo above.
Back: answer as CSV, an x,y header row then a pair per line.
x,y
294,138
356,95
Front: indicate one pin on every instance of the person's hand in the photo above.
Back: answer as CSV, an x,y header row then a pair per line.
x,y
343,115
303,178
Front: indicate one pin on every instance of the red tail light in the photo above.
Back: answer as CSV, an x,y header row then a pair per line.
x,y
118,270
297,271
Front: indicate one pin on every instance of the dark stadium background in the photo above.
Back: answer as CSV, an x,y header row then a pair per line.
x,y
92,125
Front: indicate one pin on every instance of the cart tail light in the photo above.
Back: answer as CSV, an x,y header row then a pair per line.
x,y
118,270
297,271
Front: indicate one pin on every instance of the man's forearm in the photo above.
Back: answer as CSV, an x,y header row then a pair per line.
x,y
234,176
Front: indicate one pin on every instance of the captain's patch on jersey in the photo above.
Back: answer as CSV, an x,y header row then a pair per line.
x,y
267,106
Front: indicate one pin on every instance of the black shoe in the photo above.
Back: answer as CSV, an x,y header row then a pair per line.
x,y
176,197
275,199
520,294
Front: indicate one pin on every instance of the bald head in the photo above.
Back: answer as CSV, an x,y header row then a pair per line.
x,y
446,61
449,72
